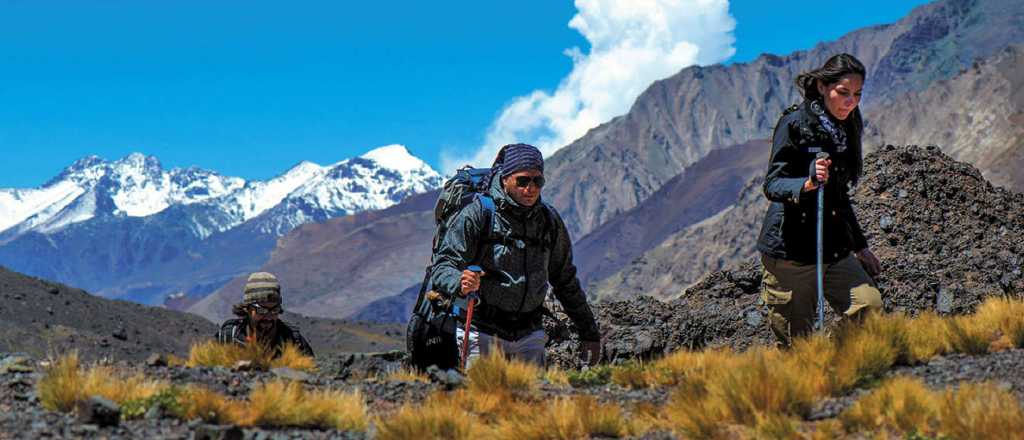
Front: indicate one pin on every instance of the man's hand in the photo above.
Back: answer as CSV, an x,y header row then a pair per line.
x,y
820,174
470,281
870,262
590,352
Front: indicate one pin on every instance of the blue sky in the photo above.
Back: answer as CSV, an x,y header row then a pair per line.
x,y
251,88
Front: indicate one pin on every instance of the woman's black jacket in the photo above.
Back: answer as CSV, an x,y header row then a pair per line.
x,y
789,228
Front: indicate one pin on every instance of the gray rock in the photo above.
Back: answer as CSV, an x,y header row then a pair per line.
x,y
217,432
16,363
290,374
157,360
451,379
98,411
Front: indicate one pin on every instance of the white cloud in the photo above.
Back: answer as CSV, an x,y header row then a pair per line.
x,y
633,43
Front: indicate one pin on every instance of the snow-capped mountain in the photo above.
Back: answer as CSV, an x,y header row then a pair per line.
x,y
131,229
134,186
138,186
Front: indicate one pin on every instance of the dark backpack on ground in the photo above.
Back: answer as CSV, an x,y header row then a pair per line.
x,y
430,334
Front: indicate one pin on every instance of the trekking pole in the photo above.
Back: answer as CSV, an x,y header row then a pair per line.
x,y
471,300
821,248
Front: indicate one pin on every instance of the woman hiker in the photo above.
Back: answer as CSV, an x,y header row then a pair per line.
x,y
828,121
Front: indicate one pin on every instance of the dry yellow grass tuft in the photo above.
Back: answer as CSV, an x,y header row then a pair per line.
x,y
903,404
980,411
760,385
216,354
863,352
406,375
693,415
566,418
631,375
431,420
292,357
927,337
689,367
65,383
279,403
198,402
496,373
556,376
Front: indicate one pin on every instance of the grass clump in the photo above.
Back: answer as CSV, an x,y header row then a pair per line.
x,y
980,411
927,337
567,418
65,383
217,354
288,404
903,404
406,375
631,375
432,420
592,376
556,376
167,399
496,373
197,402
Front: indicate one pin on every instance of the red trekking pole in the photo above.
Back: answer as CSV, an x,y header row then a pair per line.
x,y
471,300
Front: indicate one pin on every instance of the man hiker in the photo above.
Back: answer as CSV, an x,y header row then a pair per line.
x,y
525,252
258,318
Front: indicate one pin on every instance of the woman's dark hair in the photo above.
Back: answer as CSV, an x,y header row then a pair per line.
x,y
830,73
834,69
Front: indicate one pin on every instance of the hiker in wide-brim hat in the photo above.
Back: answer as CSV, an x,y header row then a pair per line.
x,y
827,121
258,317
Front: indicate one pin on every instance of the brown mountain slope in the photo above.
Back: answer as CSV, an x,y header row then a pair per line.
x,y
666,270
42,318
978,116
704,188
679,120
335,268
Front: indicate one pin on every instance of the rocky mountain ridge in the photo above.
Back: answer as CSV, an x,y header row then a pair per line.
x,y
129,229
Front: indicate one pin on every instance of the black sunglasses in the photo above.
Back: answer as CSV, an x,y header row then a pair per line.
x,y
524,181
264,310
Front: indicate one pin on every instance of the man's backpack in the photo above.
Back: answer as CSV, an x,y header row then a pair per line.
x,y
430,334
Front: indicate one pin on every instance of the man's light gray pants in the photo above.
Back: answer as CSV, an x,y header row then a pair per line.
x,y
529,348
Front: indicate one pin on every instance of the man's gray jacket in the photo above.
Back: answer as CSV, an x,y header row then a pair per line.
x,y
526,251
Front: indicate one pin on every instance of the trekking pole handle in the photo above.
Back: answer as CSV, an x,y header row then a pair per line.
x,y
474,295
471,299
814,172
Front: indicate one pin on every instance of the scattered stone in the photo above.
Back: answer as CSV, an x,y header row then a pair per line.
x,y
98,411
290,374
157,360
451,379
218,432
16,363
120,333
358,366
53,290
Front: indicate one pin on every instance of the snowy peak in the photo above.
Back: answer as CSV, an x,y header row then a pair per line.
x,y
396,157
137,185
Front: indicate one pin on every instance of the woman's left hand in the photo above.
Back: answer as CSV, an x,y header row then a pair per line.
x,y
870,262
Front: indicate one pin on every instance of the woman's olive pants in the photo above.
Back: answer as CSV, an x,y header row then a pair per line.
x,y
790,290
